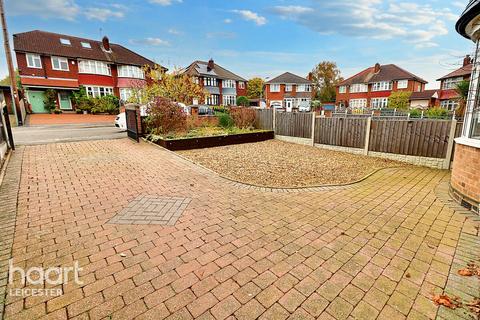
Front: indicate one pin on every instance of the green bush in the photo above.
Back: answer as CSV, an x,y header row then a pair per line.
x,y
225,121
50,100
243,101
57,111
106,104
437,113
415,113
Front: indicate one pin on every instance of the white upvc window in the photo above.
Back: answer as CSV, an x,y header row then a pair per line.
x,y
65,42
34,61
382,86
86,45
451,83
59,63
228,84
96,91
131,72
402,84
229,100
342,89
241,85
210,82
94,67
358,103
378,103
275,87
212,100
450,105
358,87
288,87
304,88
125,94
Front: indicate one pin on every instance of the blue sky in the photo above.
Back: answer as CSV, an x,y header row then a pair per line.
x,y
263,38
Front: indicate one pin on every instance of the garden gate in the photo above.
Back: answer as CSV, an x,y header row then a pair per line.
x,y
132,118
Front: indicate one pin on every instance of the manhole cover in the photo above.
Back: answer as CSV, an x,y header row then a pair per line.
x,y
147,209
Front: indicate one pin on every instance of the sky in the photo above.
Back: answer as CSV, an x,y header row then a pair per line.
x,y
263,38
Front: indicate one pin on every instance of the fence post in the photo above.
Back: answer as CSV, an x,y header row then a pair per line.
x,y
451,143
367,136
313,128
274,125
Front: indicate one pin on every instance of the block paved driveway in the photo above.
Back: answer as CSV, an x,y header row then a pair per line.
x,y
377,249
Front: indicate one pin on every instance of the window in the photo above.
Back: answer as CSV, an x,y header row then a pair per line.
x,y
358,103
304,88
274,88
382,86
94,67
228,83
125,94
359,87
450,105
34,61
59,63
402,84
379,103
210,82
86,45
212,100
451,83
342,89
288,88
65,42
229,100
241,85
94,91
131,72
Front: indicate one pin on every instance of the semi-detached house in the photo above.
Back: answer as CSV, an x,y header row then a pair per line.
x,y
372,87
448,96
48,60
288,91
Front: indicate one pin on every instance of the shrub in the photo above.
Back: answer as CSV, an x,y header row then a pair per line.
x,y
50,100
165,117
415,113
399,100
243,117
243,101
225,121
57,111
106,104
437,113
78,111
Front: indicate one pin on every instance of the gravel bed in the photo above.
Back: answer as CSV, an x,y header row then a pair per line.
x,y
276,163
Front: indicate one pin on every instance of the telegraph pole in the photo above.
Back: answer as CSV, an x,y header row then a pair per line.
x,y
11,70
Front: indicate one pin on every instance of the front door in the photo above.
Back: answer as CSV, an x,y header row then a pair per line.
x,y
64,98
289,105
36,99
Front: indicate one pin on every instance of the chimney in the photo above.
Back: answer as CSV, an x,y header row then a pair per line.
x,y
467,60
211,65
106,43
377,67
310,76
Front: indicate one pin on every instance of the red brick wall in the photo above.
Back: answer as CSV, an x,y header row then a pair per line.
x,y
47,69
466,171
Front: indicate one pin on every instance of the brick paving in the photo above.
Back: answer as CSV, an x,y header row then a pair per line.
x,y
69,118
380,248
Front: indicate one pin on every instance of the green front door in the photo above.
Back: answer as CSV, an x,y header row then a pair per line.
x,y
64,98
36,100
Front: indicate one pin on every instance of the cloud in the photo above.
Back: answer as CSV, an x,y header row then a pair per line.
x,y
221,35
150,41
165,2
103,14
414,23
227,21
174,31
251,16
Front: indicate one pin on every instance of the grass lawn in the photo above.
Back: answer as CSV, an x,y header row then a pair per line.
x,y
275,163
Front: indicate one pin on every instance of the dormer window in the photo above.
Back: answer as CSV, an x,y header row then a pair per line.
x,y
86,45
65,42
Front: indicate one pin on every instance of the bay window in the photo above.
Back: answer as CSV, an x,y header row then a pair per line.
x,y
212,100
228,84
451,83
125,94
34,61
96,92
378,103
94,67
229,100
131,72
210,82
382,86
59,63
359,87
358,103
450,105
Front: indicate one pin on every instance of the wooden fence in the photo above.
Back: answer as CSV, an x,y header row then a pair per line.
x,y
413,137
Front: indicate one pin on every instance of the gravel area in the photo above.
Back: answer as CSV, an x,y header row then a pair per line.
x,y
275,163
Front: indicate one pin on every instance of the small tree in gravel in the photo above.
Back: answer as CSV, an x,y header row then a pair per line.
x,y
243,117
165,117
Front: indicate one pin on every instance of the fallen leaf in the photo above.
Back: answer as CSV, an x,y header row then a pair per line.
x,y
474,306
467,272
407,275
446,301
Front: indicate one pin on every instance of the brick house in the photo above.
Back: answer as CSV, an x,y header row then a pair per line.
x,y
48,60
223,85
424,99
448,96
372,87
288,91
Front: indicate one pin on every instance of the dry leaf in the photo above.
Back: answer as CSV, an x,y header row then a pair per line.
x,y
407,275
467,272
474,306
444,300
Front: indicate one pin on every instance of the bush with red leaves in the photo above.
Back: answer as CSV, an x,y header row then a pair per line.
x,y
243,117
165,117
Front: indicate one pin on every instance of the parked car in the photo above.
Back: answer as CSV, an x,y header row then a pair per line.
x,y
304,108
203,109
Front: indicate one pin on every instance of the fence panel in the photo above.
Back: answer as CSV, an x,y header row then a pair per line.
x,y
344,132
264,119
293,124
426,138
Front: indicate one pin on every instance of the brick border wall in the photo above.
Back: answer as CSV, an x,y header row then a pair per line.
x,y
465,182
8,213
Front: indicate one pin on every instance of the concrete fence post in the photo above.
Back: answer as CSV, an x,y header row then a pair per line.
x,y
314,116
451,143
367,136
274,120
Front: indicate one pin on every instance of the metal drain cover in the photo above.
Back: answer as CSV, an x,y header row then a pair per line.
x,y
150,209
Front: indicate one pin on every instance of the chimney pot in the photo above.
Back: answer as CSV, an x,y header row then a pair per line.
x,y
377,67
467,60
106,43
211,65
